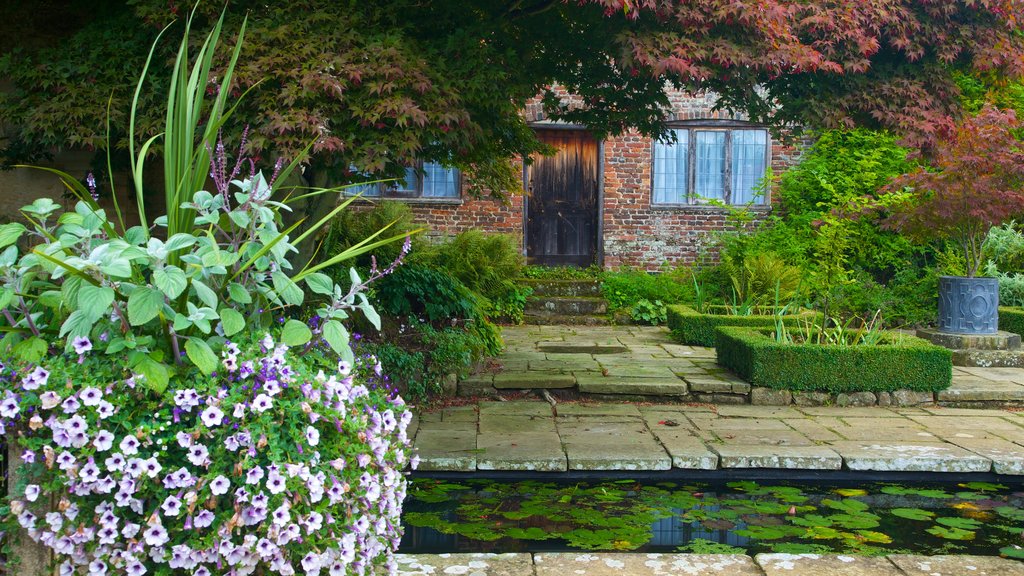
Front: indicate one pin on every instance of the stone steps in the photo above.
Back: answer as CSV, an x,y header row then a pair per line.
x,y
989,358
548,319
570,302
586,306
565,288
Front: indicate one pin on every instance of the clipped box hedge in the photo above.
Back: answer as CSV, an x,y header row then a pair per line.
x,y
1011,319
904,363
691,327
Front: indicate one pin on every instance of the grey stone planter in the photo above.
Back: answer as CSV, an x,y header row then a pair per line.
x,y
968,305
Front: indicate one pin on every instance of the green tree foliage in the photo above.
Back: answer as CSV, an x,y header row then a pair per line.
x,y
376,84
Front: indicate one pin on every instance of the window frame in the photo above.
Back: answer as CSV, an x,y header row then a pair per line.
x,y
690,196
389,190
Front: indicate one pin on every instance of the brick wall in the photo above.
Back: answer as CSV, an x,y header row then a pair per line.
x,y
634,233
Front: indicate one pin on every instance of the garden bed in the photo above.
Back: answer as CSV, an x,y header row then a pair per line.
x,y
899,362
694,328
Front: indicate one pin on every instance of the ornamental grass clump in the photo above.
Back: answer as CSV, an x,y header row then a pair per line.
x,y
271,464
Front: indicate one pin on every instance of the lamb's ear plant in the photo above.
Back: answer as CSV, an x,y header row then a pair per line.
x,y
170,291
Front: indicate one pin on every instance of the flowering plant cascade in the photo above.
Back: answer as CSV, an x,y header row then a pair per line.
x,y
154,434
271,464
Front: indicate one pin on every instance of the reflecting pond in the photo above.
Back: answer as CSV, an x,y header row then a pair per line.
x,y
737,517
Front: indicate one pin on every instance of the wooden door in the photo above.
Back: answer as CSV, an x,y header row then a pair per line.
x,y
562,212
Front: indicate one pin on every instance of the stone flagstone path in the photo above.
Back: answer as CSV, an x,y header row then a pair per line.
x,y
524,435
594,564
644,361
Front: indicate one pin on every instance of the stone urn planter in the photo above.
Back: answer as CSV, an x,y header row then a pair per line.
x,y
968,305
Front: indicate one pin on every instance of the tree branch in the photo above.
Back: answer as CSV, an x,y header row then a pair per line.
x,y
533,10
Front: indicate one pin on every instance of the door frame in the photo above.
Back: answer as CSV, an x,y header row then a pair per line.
x,y
599,252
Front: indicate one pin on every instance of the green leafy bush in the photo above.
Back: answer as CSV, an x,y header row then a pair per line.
x,y
1011,319
353,226
512,306
899,363
624,288
427,294
436,326
593,272
696,329
487,264
909,298
1004,248
817,227
763,278
647,312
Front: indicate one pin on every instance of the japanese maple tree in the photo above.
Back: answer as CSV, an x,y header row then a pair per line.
x,y
377,84
976,182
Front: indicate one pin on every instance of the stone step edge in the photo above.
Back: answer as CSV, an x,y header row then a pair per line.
x,y
974,358
639,563
484,386
533,318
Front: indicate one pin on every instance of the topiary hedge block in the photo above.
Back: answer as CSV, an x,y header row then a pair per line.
x,y
1011,319
902,363
696,329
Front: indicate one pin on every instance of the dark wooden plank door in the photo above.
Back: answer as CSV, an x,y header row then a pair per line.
x,y
561,225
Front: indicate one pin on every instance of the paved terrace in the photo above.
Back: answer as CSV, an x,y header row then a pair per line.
x,y
589,564
637,361
916,435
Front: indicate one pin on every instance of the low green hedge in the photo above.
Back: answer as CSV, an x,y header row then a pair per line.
x,y
1011,319
904,363
696,329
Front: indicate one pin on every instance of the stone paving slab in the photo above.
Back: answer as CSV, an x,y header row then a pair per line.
x,y
446,450
650,352
522,380
531,451
766,438
687,451
597,384
786,457
649,564
815,565
604,564
909,457
468,564
957,565
1006,457
526,435
491,423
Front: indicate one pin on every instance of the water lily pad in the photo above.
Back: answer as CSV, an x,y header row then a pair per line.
x,y
702,546
532,533
811,521
912,513
983,486
718,524
875,537
1012,552
824,533
848,505
849,492
924,492
951,533
1011,512
962,523
855,521
799,548
767,532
